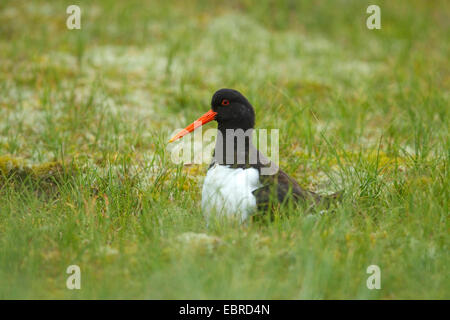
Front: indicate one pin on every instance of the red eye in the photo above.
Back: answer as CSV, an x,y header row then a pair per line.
x,y
225,102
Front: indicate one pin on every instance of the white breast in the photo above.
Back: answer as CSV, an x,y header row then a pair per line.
x,y
228,191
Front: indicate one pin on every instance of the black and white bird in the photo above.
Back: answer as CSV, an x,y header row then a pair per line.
x,y
240,179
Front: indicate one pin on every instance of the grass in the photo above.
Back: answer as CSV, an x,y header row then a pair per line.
x,y
357,109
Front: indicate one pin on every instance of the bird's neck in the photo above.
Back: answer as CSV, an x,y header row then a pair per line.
x,y
234,147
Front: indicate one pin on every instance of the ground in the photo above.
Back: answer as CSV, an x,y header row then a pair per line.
x,y
86,176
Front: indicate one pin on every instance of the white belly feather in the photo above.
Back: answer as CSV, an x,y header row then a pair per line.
x,y
228,191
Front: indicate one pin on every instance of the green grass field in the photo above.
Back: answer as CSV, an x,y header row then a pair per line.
x,y
86,176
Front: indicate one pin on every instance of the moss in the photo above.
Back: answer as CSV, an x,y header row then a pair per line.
x,y
16,170
48,171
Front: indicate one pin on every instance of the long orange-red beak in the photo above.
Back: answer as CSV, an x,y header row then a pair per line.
x,y
207,117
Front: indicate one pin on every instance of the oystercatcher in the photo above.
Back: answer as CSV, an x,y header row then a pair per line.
x,y
240,179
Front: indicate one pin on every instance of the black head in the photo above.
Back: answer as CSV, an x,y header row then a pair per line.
x,y
233,110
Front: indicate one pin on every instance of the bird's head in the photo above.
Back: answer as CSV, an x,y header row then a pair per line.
x,y
229,108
